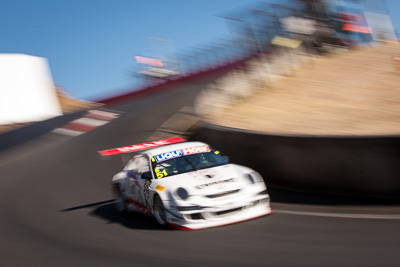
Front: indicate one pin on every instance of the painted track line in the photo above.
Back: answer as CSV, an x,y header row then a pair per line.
x,y
342,215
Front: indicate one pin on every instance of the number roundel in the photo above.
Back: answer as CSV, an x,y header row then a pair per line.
x,y
160,174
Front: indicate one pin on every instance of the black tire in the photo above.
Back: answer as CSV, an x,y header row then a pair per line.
x,y
159,211
120,203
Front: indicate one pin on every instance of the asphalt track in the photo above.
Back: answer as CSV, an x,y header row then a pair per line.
x,y
56,210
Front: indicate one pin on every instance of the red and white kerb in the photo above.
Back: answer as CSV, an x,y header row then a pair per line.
x,y
91,120
133,148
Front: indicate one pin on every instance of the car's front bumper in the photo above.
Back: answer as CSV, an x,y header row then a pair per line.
x,y
226,212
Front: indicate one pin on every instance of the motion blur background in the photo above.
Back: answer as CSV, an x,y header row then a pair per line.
x,y
305,92
91,45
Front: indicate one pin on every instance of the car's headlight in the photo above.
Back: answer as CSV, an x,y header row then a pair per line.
x,y
254,177
182,193
251,179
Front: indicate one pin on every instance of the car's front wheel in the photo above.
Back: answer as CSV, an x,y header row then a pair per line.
x,y
159,211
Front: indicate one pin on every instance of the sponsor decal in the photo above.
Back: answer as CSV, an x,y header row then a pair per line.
x,y
182,152
149,61
160,188
215,183
204,173
137,205
195,150
168,155
143,146
286,42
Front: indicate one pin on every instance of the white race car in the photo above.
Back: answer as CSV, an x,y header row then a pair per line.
x,y
188,185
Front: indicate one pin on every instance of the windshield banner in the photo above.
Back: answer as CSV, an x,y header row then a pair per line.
x,y
183,152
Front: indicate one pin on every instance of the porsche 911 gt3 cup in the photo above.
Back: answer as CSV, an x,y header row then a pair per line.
x,y
188,185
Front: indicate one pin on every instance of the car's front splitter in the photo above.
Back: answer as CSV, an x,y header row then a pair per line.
x,y
186,226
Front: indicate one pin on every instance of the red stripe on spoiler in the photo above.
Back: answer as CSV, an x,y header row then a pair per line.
x,y
127,149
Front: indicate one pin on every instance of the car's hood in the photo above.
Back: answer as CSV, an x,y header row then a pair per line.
x,y
209,181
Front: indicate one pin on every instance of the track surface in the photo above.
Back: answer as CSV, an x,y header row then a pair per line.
x,y
56,210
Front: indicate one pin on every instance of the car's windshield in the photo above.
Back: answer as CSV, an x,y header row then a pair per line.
x,y
180,163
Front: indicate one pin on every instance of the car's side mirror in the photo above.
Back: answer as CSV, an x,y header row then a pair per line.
x,y
146,175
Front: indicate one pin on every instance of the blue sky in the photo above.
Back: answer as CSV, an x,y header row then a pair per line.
x,y
91,44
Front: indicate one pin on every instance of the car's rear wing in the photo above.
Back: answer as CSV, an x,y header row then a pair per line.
x,y
138,147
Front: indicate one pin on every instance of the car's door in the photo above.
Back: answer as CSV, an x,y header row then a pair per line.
x,y
138,188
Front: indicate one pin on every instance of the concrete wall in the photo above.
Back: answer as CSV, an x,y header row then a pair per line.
x,y
338,165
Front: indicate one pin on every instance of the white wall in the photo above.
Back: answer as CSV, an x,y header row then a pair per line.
x,y
26,89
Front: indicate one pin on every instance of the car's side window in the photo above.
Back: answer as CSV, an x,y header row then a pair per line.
x,y
138,164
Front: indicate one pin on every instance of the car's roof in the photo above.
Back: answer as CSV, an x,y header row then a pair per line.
x,y
163,149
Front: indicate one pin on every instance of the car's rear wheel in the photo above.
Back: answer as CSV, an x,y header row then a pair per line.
x,y
159,211
120,203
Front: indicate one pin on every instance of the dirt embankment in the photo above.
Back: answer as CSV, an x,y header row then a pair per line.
x,y
70,104
357,93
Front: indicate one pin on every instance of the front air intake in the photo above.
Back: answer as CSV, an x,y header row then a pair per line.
x,y
223,194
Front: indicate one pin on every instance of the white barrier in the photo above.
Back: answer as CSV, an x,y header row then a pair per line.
x,y
27,91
